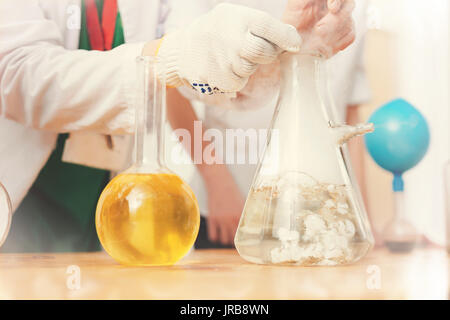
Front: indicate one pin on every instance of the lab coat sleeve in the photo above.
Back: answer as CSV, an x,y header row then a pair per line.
x,y
45,86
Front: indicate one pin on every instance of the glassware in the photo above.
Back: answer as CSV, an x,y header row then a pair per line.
x,y
400,235
399,143
304,206
147,215
5,214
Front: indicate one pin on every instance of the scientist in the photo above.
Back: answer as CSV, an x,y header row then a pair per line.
x,y
69,66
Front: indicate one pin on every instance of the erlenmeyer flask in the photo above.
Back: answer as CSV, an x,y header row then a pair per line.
x,y
304,207
147,215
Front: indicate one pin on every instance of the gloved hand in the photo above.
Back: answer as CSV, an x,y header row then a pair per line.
x,y
326,27
220,50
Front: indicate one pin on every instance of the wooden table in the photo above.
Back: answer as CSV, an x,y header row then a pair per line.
x,y
222,274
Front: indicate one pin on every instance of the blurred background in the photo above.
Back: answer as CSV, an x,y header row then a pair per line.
x,y
407,55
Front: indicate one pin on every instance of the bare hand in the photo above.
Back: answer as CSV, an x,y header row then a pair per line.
x,y
225,203
325,26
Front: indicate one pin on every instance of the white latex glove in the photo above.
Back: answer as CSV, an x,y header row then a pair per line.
x,y
220,50
325,26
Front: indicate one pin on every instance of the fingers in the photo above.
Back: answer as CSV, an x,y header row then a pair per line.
x,y
231,233
349,5
305,13
257,50
218,231
334,5
345,27
335,32
345,41
299,15
230,230
222,231
232,82
346,9
243,67
283,35
234,227
227,231
212,230
224,235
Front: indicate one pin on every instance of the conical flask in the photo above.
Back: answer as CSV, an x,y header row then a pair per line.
x,y
304,206
147,215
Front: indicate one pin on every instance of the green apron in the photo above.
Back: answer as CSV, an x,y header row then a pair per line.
x,y
58,213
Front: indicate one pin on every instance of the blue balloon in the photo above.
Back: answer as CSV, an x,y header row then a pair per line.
x,y
401,137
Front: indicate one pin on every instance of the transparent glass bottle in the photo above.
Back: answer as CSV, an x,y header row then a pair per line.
x,y
147,215
304,206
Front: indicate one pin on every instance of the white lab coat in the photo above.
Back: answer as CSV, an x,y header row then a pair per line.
x,y
47,87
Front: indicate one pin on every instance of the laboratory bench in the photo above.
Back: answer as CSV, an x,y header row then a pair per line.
x,y
222,274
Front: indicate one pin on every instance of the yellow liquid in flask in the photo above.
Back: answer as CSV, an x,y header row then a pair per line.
x,y
147,219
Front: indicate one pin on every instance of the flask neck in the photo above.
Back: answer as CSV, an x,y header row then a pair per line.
x,y
305,79
399,206
150,116
397,183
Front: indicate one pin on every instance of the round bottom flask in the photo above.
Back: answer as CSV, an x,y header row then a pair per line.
x,y
147,215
